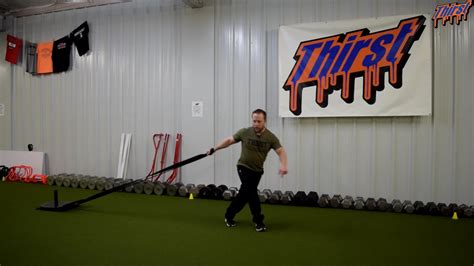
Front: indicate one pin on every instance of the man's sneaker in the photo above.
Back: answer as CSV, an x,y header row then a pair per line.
x,y
230,222
260,227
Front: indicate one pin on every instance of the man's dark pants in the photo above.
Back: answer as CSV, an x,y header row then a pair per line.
x,y
247,193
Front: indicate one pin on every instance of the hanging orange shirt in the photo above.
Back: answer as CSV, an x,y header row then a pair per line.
x,y
45,61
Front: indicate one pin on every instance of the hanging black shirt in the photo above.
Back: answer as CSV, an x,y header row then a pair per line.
x,y
61,54
80,36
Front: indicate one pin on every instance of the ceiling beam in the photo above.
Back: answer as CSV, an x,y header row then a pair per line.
x,y
61,5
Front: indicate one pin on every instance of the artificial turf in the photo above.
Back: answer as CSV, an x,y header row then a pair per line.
x,y
131,229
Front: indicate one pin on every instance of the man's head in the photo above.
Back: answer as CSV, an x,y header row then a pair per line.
x,y
259,119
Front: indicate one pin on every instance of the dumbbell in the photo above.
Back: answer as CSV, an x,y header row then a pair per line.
x,y
469,212
264,195
370,204
84,182
91,182
408,207
159,188
128,188
419,207
230,193
382,204
287,197
276,196
139,187
206,192
100,183
67,180
397,205
217,193
96,182
323,201
452,207
335,201
118,182
51,180
59,180
460,209
444,209
195,190
359,203
347,202
148,187
172,189
75,180
300,198
312,199
432,208
184,191
108,183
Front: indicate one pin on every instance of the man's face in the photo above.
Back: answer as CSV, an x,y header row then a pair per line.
x,y
258,122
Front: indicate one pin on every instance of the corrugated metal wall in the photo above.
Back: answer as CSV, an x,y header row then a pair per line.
x,y
130,82
427,158
124,86
5,98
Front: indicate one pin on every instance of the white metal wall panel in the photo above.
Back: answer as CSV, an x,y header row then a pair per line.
x,y
463,112
197,75
224,101
131,83
5,96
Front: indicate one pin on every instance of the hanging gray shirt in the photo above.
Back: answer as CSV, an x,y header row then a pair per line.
x,y
31,57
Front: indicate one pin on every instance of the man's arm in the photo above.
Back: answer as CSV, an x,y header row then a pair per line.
x,y
222,145
283,161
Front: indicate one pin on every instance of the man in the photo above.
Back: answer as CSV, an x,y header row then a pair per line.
x,y
256,143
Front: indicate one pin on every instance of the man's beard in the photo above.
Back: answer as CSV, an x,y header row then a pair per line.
x,y
259,130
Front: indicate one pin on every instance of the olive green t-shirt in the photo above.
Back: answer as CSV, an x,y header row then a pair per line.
x,y
255,148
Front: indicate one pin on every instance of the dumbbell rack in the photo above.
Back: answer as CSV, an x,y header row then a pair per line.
x,y
266,196
48,206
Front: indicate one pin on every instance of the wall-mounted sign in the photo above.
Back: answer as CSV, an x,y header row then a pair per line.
x,y
197,109
368,67
451,11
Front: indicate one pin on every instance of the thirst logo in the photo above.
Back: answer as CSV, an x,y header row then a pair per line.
x,y
333,63
449,12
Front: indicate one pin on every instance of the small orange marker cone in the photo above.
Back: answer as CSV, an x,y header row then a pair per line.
x,y
455,216
191,196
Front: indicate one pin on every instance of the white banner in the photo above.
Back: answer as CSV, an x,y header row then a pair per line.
x,y
366,67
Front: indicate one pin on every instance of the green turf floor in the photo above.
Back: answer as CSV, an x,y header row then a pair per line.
x,y
131,229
